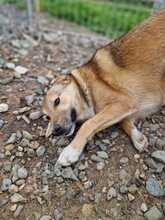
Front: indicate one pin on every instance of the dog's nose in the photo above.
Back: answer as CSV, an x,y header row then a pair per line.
x,y
57,129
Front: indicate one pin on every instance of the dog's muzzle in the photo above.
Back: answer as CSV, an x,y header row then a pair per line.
x,y
59,130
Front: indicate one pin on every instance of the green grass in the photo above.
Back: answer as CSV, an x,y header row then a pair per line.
x,y
111,18
108,18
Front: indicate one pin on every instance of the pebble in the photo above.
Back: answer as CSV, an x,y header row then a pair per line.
x,y
4,107
88,211
27,135
21,70
45,217
22,173
35,115
131,197
1,123
100,165
153,214
7,166
102,154
57,214
159,155
123,189
144,207
43,80
67,173
18,211
29,99
9,147
124,176
16,197
10,66
40,151
95,158
13,189
6,183
11,139
111,193
123,160
154,187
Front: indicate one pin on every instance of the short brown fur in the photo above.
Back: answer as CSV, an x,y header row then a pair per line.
x,y
123,81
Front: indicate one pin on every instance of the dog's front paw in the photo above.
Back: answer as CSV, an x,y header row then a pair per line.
x,y
68,156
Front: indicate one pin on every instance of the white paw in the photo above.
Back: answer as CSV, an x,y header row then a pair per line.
x,y
68,156
139,140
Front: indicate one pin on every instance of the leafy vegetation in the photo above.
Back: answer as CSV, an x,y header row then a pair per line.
x,y
107,17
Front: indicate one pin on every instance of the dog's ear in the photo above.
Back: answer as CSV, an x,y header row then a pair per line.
x,y
63,79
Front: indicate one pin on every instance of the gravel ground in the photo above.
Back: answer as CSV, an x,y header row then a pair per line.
x,y
111,181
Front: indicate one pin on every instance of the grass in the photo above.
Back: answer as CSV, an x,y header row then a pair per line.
x,y
111,18
108,18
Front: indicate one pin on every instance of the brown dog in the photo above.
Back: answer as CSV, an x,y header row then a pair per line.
x,y
125,80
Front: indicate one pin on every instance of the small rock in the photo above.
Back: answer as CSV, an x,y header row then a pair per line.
x,y
68,173
123,189
22,173
102,154
57,170
13,189
6,183
27,135
144,207
10,66
159,155
45,217
20,182
111,193
35,115
124,160
4,107
100,165
40,151
9,147
21,70
7,166
154,187
88,211
29,99
12,139
18,211
57,214
34,145
96,158
130,197
43,80
16,197
132,188
124,176
1,123
2,62
6,80
153,214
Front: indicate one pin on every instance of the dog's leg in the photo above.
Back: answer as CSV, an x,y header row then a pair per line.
x,y
139,140
110,115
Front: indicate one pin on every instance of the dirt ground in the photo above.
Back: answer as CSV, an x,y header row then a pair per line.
x,y
111,181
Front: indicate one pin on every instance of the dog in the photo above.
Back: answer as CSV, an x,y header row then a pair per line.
x,y
122,82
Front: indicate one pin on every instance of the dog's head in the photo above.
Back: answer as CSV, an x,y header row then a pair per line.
x,y
62,106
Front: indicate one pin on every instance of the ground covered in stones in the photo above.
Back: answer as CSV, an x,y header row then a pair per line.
x,y
111,181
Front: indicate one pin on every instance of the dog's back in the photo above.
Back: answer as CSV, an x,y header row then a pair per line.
x,y
134,63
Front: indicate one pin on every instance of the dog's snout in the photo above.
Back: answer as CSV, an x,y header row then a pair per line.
x,y
58,130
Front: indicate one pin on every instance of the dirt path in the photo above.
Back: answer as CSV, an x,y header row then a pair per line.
x,y
111,179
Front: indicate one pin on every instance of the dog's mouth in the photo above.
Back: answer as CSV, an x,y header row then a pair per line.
x,y
71,130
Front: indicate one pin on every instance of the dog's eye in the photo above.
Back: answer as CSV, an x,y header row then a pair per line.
x,y
47,117
57,101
